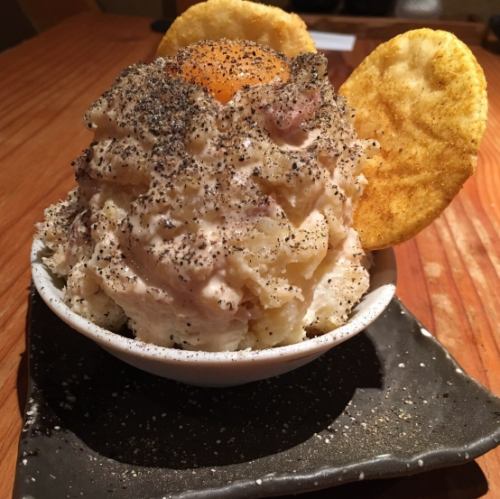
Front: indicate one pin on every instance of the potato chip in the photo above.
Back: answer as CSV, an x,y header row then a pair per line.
x,y
236,20
422,96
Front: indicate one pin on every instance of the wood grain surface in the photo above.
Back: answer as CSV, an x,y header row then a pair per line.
x,y
448,274
383,28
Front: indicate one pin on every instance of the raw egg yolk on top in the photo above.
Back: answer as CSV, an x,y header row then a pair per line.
x,y
225,66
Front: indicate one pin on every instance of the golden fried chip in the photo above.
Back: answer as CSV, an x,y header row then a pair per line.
x,y
422,96
236,20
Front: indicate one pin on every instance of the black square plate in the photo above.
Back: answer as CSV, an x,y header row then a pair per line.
x,y
388,402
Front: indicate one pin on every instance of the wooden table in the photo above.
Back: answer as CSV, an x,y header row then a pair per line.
x,y
448,274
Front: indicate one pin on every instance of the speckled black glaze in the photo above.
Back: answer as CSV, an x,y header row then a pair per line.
x,y
388,402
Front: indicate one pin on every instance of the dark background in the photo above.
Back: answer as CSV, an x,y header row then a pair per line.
x,y
21,19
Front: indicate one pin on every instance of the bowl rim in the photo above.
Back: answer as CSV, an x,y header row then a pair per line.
x,y
43,281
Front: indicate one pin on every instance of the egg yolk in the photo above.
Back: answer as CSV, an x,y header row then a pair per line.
x,y
225,66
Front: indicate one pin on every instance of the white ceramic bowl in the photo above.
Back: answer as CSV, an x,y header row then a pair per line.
x,y
221,368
